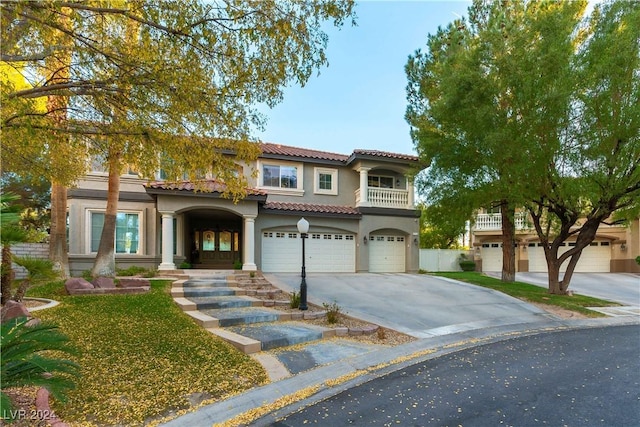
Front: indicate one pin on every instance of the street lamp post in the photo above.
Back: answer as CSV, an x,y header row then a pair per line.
x,y
303,228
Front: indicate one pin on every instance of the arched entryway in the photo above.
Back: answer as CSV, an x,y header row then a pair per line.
x,y
213,239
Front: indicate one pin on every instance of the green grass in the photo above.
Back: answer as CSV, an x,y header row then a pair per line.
x,y
533,293
141,356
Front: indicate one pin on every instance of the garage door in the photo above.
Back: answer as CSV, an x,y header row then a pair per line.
x,y
387,254
325,252
595,258
491,254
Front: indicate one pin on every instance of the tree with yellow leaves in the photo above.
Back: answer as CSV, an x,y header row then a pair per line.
x,y
145,83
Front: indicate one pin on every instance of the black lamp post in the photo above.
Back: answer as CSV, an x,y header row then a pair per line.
x,y
303,228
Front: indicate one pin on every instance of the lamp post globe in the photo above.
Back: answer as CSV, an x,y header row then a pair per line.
x,y
303,228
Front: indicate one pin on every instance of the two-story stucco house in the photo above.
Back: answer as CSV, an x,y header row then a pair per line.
x,y
613,250
360,208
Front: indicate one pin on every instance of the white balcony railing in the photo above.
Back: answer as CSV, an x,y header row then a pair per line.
x,y
385,198
494,221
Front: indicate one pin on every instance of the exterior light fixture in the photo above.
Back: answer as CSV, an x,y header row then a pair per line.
x,y
303,228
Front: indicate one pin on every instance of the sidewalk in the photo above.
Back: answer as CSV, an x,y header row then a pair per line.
x,y
287,395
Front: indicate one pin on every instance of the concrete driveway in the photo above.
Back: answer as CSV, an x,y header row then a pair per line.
x,y
623,288
418,305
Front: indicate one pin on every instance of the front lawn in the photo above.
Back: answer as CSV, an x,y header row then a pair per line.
x,y
532,293
141,356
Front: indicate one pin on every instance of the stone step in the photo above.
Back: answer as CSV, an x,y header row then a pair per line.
x,y
276,335
241,316
208,292
206,283
223,301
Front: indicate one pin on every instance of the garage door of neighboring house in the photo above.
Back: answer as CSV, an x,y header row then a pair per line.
x,y
387,254
325,252
491,254
595,258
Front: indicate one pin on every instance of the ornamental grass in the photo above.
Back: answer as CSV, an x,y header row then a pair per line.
x,y
141,357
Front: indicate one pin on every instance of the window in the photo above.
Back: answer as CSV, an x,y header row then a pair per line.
x,y
325,181
380,181
127,232
280,176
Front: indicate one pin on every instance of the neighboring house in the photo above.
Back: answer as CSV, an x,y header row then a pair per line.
x,y
613,250
360,208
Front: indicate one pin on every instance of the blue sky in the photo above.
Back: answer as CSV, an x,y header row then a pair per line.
x,y
359,100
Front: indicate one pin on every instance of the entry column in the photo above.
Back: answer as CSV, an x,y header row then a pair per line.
x,y
167,242
248,254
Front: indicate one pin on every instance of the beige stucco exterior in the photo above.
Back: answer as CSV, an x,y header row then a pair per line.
x,y
184,214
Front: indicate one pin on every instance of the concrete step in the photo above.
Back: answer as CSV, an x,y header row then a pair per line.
x,y
284,334
223,301
242,315
208,292
206,283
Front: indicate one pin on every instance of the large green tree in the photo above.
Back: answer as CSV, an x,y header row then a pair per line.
x,y
595,173
470,97
145,84
502,108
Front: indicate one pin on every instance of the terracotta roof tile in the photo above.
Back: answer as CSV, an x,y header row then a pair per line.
x,y
377,153
308,207
285,150
210,186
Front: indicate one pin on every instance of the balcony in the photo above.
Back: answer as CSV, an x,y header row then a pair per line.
x,y
486,222
385,198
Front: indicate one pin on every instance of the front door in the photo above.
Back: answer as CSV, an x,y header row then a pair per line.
x,y
217,248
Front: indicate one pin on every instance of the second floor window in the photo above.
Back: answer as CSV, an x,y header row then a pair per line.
x,y
279,176
380,181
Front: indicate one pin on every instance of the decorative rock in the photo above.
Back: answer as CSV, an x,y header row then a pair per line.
x,y
127,282
104,282
13,309
44,411
77,283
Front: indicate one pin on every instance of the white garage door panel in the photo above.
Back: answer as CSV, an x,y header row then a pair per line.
x,y
491,256
282,253
595,258
387,254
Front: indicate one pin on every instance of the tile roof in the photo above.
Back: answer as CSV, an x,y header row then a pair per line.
x,y
285,150
205,186
308,207
377,153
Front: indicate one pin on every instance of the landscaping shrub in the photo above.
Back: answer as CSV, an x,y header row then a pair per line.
x,y
134,270
333,312
24,364
294,300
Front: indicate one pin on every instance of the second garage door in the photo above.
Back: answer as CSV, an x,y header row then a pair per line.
x,y
325,252
387,254
595,258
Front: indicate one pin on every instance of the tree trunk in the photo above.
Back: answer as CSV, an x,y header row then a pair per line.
x,y
7,274
508,242
105,263
553,268
58,234
58,68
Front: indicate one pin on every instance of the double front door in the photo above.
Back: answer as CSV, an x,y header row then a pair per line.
x,y
216,248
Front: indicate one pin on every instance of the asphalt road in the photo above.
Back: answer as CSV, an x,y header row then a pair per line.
x,y
587,377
